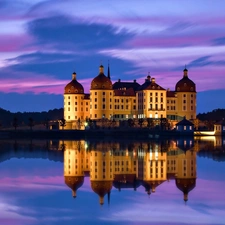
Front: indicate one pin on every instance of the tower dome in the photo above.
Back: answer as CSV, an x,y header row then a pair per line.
x,y
185,185
185,84
74,87
74,182
101,188
101,82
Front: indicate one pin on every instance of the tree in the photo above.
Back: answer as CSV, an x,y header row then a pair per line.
x,y
31,123
130,122
15,123
196,123
62,123
140,122
46,123
164,123
150,123
79,124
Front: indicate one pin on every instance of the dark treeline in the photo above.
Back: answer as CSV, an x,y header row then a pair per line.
x,y
7,118
215,115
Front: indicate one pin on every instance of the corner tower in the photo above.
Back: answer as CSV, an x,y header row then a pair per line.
x,y
101,95
186,97
73,100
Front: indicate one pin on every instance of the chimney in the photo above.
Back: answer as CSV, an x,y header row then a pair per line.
x,y
118,80
134,81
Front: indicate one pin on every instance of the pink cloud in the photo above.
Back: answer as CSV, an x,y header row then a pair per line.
x,y
34,183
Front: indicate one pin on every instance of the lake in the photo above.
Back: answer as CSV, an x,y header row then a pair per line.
x,y
155,181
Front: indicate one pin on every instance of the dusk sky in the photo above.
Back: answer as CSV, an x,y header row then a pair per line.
x,y
42,42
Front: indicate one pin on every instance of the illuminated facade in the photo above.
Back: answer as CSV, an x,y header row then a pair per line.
x,y
127,100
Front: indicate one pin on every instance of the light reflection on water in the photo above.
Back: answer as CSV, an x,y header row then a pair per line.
x,y
112,182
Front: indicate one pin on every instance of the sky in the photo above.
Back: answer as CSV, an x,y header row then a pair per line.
x,y
42,42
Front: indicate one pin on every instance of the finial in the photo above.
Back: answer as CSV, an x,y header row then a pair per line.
x,y
108,71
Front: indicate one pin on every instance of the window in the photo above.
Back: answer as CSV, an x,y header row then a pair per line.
x,y
68,117
103,106
184,107
103,93
103,99
95,99
68,103
95,93
150,106
95,106
69,109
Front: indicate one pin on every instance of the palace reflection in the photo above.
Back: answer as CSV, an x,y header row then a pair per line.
x,y
123,165
130,165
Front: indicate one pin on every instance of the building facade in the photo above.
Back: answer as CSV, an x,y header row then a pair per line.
x,y
127,100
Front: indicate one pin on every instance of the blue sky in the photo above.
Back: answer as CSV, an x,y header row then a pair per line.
x,y
42,42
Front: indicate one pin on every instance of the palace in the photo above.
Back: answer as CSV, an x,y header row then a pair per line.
x,y
128,100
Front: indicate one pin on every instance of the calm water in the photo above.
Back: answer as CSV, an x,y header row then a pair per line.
x,y
112,182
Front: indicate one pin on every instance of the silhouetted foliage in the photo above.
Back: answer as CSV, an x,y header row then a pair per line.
x,y
15,122
215,115
31,123
6,117
62,123
140,122
46,123
130,122
150,123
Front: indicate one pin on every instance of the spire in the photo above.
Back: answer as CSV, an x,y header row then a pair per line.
x,y
101,69
108,72
74,76
185,71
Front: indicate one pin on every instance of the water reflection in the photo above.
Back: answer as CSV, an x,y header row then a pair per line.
x,y
129,165
144,181
122,165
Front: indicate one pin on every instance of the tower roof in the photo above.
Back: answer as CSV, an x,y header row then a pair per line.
x,y
101,82
185,84
73,87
